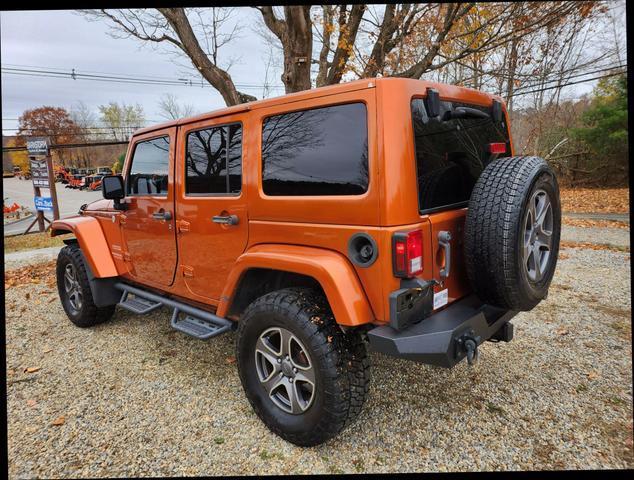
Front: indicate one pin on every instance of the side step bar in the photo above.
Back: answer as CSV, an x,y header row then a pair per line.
x,y
197,322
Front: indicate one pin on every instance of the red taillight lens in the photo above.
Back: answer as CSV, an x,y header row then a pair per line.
x,y
497,148
408,253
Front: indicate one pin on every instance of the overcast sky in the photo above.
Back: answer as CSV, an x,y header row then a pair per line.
x,y
66,40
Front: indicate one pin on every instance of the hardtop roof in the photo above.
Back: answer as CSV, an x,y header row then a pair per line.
x,y
305,95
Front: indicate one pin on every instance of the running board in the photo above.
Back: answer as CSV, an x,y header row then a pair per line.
x,y
196,322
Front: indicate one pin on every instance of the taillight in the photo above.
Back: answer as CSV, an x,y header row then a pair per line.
x,y
407,253
497,148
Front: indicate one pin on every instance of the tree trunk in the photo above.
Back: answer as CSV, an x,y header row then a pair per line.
x,y
216,76
296,36
298,51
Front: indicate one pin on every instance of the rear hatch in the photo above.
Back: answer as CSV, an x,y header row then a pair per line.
x,y
452,149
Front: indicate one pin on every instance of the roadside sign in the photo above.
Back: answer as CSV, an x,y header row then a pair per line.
x,y
39,173
38,146
43,203
42,177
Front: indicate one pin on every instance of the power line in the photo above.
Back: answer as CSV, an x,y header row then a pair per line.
x,y
605,69
577,75
567,84
68,145
50,72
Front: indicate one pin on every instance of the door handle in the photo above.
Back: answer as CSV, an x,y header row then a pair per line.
x,y
225,219
444,237
162,215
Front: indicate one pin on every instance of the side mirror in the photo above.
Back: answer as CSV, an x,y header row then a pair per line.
x,y
496,111
112,189
432,103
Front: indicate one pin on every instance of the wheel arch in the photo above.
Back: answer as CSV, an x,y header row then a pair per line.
x,y
272,267
91,240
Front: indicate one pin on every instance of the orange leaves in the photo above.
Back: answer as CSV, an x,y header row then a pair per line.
x,y
59,421
613,200
39,273
591,223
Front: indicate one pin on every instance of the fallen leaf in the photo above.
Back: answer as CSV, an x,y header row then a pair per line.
x,y
27,295
48,350
230,360
594,200
31,402
59,421
592,375
31,369
562,331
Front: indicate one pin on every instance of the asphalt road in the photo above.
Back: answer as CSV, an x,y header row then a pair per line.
x,y
21,192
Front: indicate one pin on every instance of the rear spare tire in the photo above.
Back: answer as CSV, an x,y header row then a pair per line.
x,y
512,232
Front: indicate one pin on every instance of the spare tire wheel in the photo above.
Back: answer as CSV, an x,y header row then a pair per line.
x,y
512,232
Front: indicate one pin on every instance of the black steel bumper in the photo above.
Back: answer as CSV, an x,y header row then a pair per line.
x,y
440,338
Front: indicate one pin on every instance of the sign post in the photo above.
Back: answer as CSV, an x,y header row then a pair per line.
x,y
42,177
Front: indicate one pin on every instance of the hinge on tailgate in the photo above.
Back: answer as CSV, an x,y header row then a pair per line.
x,y
187,271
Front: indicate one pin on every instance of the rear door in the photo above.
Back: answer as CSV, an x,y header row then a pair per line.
x,y
147,225
211,204
450,156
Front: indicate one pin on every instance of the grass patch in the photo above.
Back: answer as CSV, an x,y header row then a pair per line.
x,y
264,455
582,387
594,246
31,241
493,408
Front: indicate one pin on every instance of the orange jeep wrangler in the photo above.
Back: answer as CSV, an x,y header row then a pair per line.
x,y
386,214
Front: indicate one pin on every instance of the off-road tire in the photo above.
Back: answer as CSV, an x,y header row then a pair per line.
x,y
88,314
342,367
494,232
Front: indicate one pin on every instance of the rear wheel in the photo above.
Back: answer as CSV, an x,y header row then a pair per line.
x,y
74,290
512,232
303,376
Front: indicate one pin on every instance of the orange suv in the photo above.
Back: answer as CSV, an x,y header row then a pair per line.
x,y
386,214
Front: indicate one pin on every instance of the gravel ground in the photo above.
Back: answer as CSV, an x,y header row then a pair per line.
x,y
139,399
618,237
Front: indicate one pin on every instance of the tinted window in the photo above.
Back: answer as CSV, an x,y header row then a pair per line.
x,y
208,159
451,154
323,151
150,167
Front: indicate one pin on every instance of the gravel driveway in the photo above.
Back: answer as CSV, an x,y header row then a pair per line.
x,y
140,399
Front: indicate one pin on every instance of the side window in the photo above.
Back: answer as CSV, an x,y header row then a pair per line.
x,y
323,151
213,160
150,167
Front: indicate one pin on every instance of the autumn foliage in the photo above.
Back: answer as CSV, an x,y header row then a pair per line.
x,y
53,122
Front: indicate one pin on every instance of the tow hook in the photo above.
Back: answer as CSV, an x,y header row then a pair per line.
x,y
469,344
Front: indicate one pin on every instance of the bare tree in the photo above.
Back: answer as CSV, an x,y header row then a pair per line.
x,y
171,109
172,26
480,45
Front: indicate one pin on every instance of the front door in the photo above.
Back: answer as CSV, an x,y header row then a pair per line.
x,y
147,226
211,204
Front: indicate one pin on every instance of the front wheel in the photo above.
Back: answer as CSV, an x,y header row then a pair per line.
x,y
74,290
303,376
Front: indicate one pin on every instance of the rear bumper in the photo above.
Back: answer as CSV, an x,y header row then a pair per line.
x,y
439,338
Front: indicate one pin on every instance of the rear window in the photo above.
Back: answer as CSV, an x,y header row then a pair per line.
x,y
451,154
323,151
